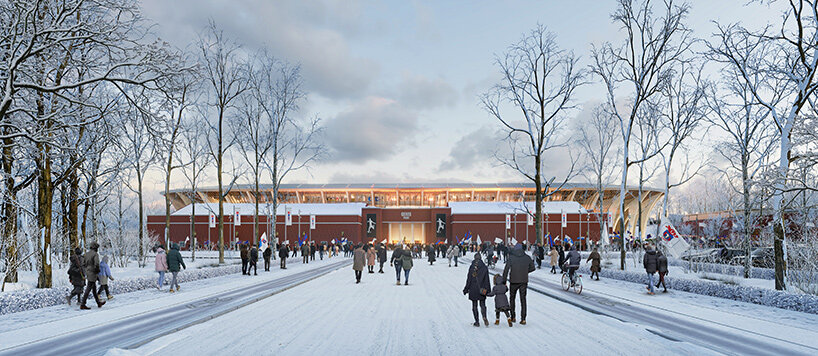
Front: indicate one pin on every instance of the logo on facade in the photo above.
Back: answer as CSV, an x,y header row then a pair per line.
x,y
440,230
371,225
406,215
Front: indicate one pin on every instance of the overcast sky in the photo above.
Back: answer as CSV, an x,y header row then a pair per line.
x,y
397,82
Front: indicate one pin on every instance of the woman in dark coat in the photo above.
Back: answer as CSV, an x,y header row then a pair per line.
x,y
477,287
430,253
75,275
595,258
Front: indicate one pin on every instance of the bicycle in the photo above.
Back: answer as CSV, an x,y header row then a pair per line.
x,y
567,284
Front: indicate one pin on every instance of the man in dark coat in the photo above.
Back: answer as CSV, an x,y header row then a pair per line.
x,y
430,254
518,266
661,267
539,253
75,275
477,287
282,254
561,252
91,263
305,253
174,260
253,261
381,256
268,252
595,259
358,262
651,263
245,259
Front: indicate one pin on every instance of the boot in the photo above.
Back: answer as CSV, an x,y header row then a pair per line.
x,y
171,290
110,297
513,319
100,304
406,284
486,321
510,322
477,324
84,307
497,322
398,283
522,322
68,298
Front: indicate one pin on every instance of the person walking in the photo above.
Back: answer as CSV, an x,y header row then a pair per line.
x,y
518,266
381,251
282,255
430,254
75,275
174,259
91,263
358,262
245,260
500,300
595,259
661,267
539,252
253,261
161,264
554,259
650,262
477,287
406,264
312,251
561,253
104,275
371,256
397,261
268,252
321,251
305,253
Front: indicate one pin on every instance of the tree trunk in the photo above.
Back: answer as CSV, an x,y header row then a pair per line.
x,y
255,217
45,195
746,195
780,242
10,212
622,191
168,169
221,189
141,230
538,199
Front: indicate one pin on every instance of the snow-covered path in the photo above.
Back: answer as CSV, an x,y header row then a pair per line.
x,y
430,316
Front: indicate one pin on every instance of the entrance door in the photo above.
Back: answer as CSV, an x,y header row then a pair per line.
x,y
412,232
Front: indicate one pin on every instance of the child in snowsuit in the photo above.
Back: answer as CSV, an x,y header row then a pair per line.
x,y
104,275
500,300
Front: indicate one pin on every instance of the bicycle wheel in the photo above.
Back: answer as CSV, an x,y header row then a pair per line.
x,y
565,282
578,285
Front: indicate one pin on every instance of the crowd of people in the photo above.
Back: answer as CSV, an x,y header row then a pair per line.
x,y
85,270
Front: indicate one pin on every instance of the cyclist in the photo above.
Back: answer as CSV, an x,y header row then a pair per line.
x,y
572,260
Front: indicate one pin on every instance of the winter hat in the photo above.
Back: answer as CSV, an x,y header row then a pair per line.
x,y
105,259
94,246
477,256
518,246
77,251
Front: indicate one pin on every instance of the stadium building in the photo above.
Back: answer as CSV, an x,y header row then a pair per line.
x,y
425,213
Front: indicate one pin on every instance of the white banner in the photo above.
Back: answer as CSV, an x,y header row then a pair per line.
x,y
288,217
530,219
498,240
513,242
312,222
237,217
564,219
212,220
610,219
676,245
384,241
508,221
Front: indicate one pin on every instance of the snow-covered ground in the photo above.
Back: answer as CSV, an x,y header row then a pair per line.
x,y
28,279
430,316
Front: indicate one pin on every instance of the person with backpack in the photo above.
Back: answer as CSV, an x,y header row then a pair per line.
x,y
91,263
661,267
75,275
500,300
477,287
174,260
104,276
406,264
245,260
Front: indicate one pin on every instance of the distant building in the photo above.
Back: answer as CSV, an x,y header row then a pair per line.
x,y
403,212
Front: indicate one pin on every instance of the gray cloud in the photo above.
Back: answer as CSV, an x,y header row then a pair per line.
x,y
421,92
311,33
471,150
372,129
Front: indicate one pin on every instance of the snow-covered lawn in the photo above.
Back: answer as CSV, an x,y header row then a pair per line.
x,y
29,326
430,316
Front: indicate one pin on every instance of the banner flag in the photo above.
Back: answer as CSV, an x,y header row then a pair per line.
x,y
212,221
288,217
530,219
564,219
237,216
498,240
508,221
312,222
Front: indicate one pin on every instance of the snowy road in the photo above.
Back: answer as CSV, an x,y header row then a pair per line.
x,y
431,316
136,329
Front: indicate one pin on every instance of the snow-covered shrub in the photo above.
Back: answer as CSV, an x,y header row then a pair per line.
x,y
769,297
802,270
17,301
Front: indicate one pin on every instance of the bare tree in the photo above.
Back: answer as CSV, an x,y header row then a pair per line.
x,y
635,70
539,79
597,139
226,75
195,150
777,63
